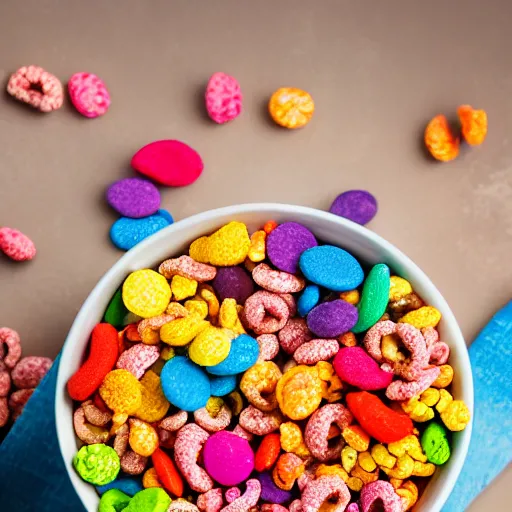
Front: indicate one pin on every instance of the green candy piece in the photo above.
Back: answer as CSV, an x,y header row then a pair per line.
x,y
113,501
97,464
153,499
116,310
374,298
434,442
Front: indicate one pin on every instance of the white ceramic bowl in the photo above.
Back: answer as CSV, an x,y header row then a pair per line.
x,y
172,241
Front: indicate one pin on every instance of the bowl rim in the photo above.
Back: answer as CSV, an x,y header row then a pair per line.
x,y
457,339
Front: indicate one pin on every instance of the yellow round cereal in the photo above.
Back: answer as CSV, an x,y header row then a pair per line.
x,y
426,316
182,287
121,391
399,287
146,293
210,347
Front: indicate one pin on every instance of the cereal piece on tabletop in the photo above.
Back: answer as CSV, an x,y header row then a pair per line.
x,y
291,107
89,94
223,98
356,205
440,141
16,245
473,124
134,197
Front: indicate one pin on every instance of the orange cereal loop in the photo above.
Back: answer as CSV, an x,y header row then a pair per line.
x,y
473,124
440,141
291,107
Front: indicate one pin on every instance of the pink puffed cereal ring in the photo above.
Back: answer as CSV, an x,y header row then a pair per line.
x,y
138,359
439,351
16,245
88,94
382,491
210,501
295,506
244,434
325,489
4,411
12,340
294,334
248,499
374,336
5,380
223,98
182,505
317,431
185,266
121,439
401,390
258,422
232,494
276,281
174,422
36,87
413,341
132,463
353,507
314,351
189,442
292,303
94,415
269,346
213,424
86,434
256,308
29,371
273,507
18,400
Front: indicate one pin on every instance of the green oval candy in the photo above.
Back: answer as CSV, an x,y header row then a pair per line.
x,y
116,310
113,500
374,298
153,499
434,442
97,464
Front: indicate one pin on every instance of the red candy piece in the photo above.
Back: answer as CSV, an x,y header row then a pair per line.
x,y
102,358
167,472
16,245
267,452
169,162
381,422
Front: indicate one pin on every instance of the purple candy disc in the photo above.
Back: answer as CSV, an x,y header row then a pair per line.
x,y
356,205
233,283
330,319
134,197
270,492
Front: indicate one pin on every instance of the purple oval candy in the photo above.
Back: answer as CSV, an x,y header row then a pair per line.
x,y
330,319
286,243
356,205
270,492
228,458
233,283
134,197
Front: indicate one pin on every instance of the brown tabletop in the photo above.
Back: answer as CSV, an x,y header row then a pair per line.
x,y
378,71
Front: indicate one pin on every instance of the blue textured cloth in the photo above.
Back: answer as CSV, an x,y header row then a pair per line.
x,y
490,450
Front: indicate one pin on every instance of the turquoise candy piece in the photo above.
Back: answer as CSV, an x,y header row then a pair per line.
x,y
126,233
113,500
308,299
242,355
222,386
130,485
154,499
331,267
185,384
374,298
116,310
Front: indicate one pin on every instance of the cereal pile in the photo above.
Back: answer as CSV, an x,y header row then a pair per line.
x,y
264,373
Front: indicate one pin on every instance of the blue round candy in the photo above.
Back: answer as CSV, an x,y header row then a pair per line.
x,y
128,484
185,384
308,300
126,233
242,355
331,267
223,385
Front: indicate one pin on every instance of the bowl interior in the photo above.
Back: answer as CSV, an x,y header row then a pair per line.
x,y
361,242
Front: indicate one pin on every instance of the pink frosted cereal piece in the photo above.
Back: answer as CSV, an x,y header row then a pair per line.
x,y
380,491
223,98
185,266
174,422
374,336
244,434
16,245
181,505
132,463
189,442
314,351
5,381
210,501
414,341
121,439
166,439
294,334
258,422
273,507
296,506
325,488
12,340
247,500
292,304
401,390
220,422
84,433
138,359
4,411
269,346
317,430
36,87
439,351
266,312
277,281
29,371
94,415
232,494
18,400
353,507
88,94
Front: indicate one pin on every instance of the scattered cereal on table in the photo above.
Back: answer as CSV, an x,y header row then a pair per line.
x,y
356,205
223,98
89,94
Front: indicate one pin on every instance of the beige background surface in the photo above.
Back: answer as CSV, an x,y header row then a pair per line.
x,y
377,71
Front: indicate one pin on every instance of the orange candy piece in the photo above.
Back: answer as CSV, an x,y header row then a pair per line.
x,y
440,141
291,107
473,124
267,452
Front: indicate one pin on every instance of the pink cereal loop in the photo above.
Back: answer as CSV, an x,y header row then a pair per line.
x,y
5,380
182,505
414,341
383,491
185,266
20,87
244,434
223,98
308,475
401,390
290,301
232,494
296,506
16,245
273,507
210,501
166,439
88,94
4,411
12,340
266,312
294,334
439,351
132,463
374,336
258,422
30,371
353,507
247,500
121,440
269,346
276,281
138,359
84,433
94,415
317,430
189,443
203,418
324,488
314,351
18,400
174,422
